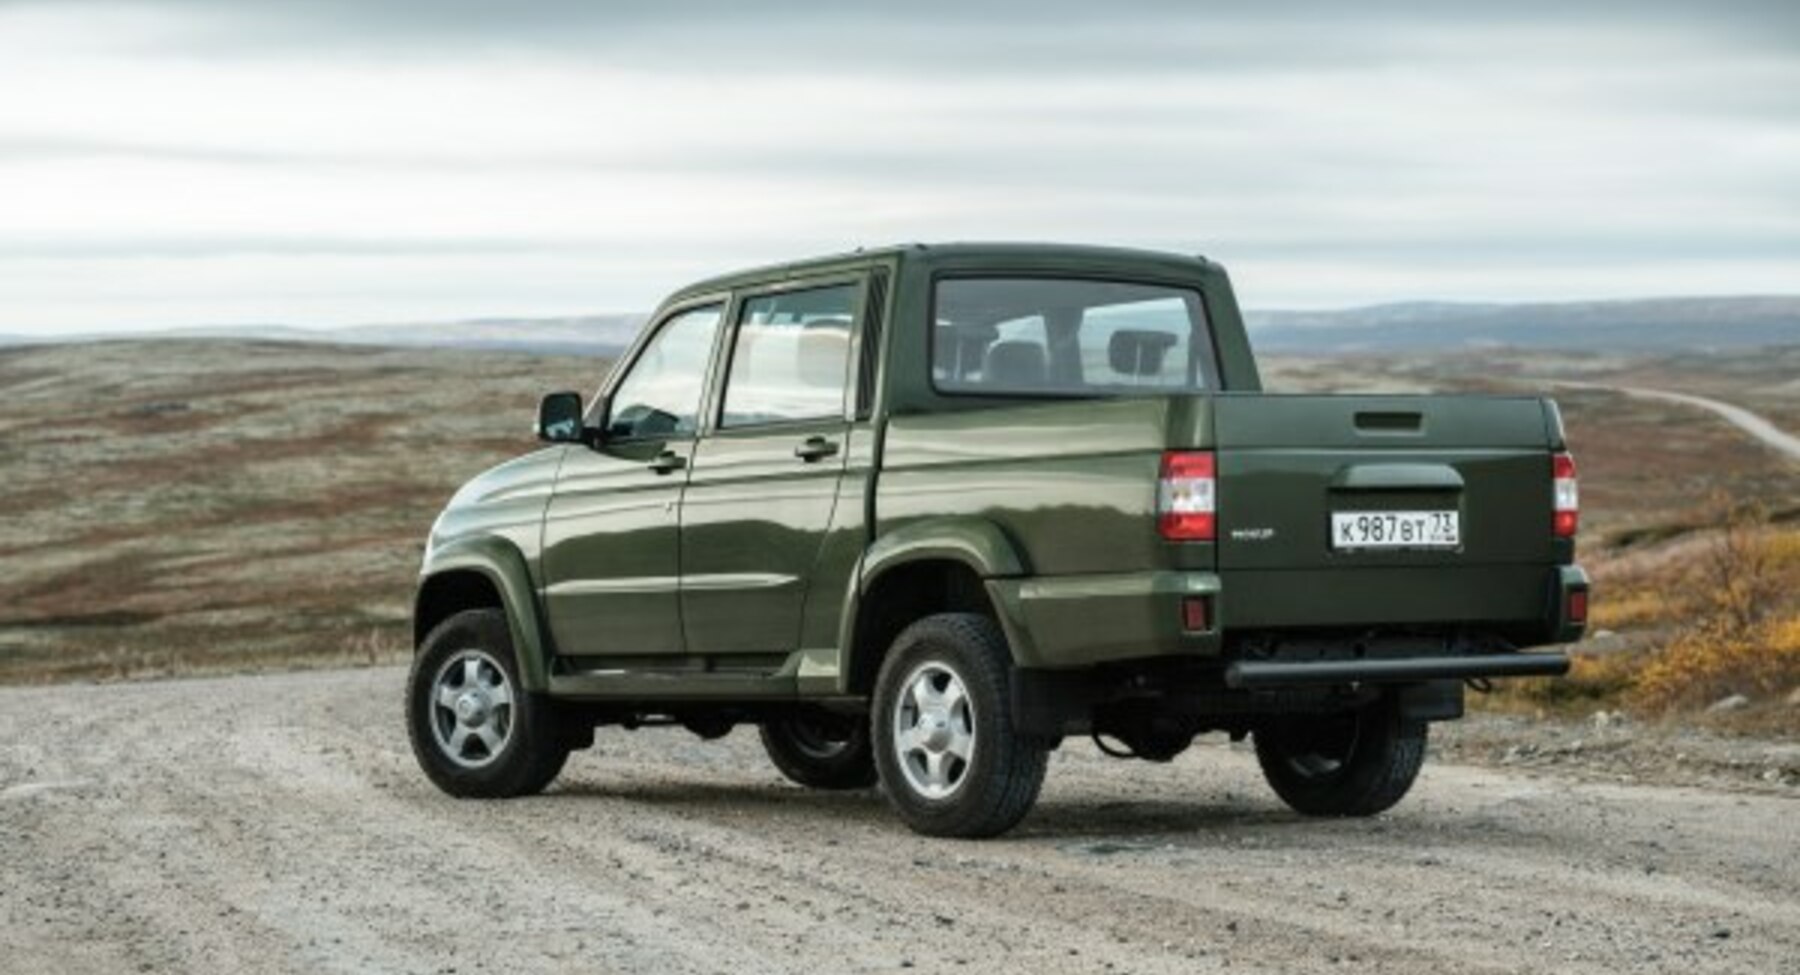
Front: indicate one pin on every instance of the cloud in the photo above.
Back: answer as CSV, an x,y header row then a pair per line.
x,y
328,162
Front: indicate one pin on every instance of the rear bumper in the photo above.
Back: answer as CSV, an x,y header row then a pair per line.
x,y
1066,622
1259,674
1061,622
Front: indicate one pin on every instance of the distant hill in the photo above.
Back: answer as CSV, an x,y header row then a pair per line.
x,y
1654,325
591,335
1650,325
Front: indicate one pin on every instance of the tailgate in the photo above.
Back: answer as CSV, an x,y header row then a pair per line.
x,y
1339,482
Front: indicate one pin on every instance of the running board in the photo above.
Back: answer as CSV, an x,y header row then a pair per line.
x,y
1250,674
724,678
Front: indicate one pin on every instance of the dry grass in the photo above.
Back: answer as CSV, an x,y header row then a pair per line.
x,y
1708,663
179,507
1706,617
1746,637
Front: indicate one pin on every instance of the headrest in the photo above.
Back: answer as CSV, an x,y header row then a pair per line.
x,y
1135,352
959,348
823,352
1015,363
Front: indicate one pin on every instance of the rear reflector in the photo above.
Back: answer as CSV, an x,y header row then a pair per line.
x,y
1185,497
1578,606
1566,496
1194,615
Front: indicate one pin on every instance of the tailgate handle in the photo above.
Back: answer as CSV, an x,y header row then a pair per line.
x,y
1397,477
1376,421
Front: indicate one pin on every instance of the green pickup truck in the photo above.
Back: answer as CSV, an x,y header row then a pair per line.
x,y
920,513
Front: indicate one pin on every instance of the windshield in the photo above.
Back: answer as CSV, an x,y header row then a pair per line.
x,y
1068,337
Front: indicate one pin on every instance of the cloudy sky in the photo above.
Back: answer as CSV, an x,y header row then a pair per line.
x,y
193,162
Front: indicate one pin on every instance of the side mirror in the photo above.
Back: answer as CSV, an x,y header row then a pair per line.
x,y
559,418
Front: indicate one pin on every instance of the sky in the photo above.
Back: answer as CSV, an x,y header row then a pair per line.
x,y
215,162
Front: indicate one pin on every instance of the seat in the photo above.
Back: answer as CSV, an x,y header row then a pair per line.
x,y
1015,364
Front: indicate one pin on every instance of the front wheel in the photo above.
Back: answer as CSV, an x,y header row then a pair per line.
x,y
1357,763
950,761
475,730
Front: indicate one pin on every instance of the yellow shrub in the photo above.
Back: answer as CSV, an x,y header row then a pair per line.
x,y
1783,550
1593,679
1613,612
1784,636
1713,661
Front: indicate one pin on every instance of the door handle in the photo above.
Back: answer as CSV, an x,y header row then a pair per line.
x,y
667,461
815,448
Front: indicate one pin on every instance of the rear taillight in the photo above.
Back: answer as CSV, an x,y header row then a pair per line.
x,y
1566,495
1186,497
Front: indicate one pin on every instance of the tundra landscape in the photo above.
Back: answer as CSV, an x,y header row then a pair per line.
x,y
277,279
224,506
188,522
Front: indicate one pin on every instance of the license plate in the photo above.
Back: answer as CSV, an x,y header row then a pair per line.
x,y
1351,530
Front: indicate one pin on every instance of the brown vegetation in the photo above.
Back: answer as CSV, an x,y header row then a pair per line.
x,y
170,507
1745,634
1707,623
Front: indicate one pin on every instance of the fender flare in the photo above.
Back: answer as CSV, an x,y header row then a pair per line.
x,y
502,564
978,543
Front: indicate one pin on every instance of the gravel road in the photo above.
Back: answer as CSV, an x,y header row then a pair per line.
x,y
1759,427
1753,424
278,824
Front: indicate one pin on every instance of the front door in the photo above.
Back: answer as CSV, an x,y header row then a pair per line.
x,y
764,481
611,557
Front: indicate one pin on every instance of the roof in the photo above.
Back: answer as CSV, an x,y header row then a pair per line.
x,y
1000,252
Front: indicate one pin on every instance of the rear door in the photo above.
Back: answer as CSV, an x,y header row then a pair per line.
x,y
763,487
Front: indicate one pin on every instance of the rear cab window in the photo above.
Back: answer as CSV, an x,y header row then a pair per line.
x,y
1068,337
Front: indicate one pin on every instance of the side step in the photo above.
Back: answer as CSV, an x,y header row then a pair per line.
x,y
749,677
1272,673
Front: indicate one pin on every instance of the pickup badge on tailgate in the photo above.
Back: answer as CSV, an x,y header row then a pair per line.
x,y
1252,534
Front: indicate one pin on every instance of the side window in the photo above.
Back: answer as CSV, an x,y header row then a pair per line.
x,y
660,396
790,359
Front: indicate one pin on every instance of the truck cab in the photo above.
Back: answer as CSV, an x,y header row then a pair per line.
x,y
921,513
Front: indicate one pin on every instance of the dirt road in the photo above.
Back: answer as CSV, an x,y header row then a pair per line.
x,y
1757,426
278,824
1753,424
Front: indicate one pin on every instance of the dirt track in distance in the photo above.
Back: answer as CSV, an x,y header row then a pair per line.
x,y
278,824
1755,425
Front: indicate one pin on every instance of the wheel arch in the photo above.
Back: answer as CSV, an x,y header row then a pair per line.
x,y
930,566
485,573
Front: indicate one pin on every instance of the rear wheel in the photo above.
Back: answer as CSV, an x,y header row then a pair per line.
x,y
820,750
950,761
475,730
1357,763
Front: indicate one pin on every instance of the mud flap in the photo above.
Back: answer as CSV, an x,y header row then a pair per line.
x,y
1437,700
1048,704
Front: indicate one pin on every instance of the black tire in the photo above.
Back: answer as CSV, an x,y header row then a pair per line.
x,y
821,750
534,746
1358,763
998,783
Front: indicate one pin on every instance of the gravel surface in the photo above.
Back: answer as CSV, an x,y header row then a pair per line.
x,y
278,824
